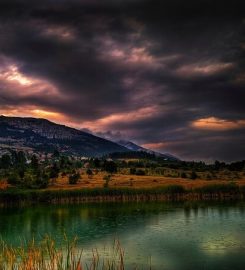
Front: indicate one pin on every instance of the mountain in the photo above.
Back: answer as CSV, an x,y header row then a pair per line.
x,y
134,147
41,135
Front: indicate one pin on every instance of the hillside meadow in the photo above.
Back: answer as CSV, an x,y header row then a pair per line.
x,y
122,180
125,180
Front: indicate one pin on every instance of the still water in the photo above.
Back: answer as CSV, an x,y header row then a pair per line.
x,y
170,236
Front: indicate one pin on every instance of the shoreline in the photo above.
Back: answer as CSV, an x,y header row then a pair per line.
x,y
221,192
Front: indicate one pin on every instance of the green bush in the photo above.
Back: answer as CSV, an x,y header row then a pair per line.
x,y
42,181
193,175
14,179
110,166
132,171
74,178
140,172
208,177
183,175
28,181
37,180
89,172
107,179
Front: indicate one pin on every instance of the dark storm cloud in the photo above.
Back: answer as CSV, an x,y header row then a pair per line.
x,y
147,70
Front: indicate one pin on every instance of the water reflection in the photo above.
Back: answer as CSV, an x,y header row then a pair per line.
x,y
173,236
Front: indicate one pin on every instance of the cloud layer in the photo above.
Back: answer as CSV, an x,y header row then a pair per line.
x,y
167,74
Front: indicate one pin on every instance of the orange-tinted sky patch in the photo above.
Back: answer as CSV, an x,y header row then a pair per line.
x,y
213,123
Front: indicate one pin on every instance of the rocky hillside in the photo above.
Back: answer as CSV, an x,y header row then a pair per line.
x,y
43,135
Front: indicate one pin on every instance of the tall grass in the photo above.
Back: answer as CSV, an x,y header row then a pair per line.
x,y
171,192
35,196
230,188
46,256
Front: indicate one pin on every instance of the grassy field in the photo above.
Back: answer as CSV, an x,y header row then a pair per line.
x,y
121,180
102,187
134,181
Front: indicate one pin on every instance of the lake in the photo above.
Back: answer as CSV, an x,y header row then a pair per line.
x,y
169,236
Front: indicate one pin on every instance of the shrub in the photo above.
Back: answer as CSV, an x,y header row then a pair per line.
x,y
28,181
132,171
183,175
106,184
14,179
5,161
193,175
110,166
140,172
42,181
89,173
73,179
54,172
208,177
107,179
63,174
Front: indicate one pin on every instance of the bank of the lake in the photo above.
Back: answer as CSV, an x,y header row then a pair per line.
x,y
211,192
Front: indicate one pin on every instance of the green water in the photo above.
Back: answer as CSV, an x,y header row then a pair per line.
x,y
171,236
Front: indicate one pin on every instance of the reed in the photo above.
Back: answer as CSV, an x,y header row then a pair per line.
x,y
46,256
165,193
36,196
230,188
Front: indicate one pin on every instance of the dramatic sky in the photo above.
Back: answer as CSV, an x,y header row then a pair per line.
x,y
166,74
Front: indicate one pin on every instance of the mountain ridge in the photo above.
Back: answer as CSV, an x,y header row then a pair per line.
x,y
44,135
134,147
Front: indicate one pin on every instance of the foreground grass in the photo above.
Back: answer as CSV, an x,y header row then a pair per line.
x,y
46,256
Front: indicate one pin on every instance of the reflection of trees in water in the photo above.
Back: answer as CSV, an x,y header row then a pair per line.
x,y
192,209
81,220
173,234
93,221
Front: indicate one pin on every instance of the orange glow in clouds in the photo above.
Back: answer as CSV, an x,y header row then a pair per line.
x,y
31,111
155,146
213,123
127,117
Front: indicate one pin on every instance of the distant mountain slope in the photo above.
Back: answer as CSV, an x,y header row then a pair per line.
x,y
43,135
134,147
